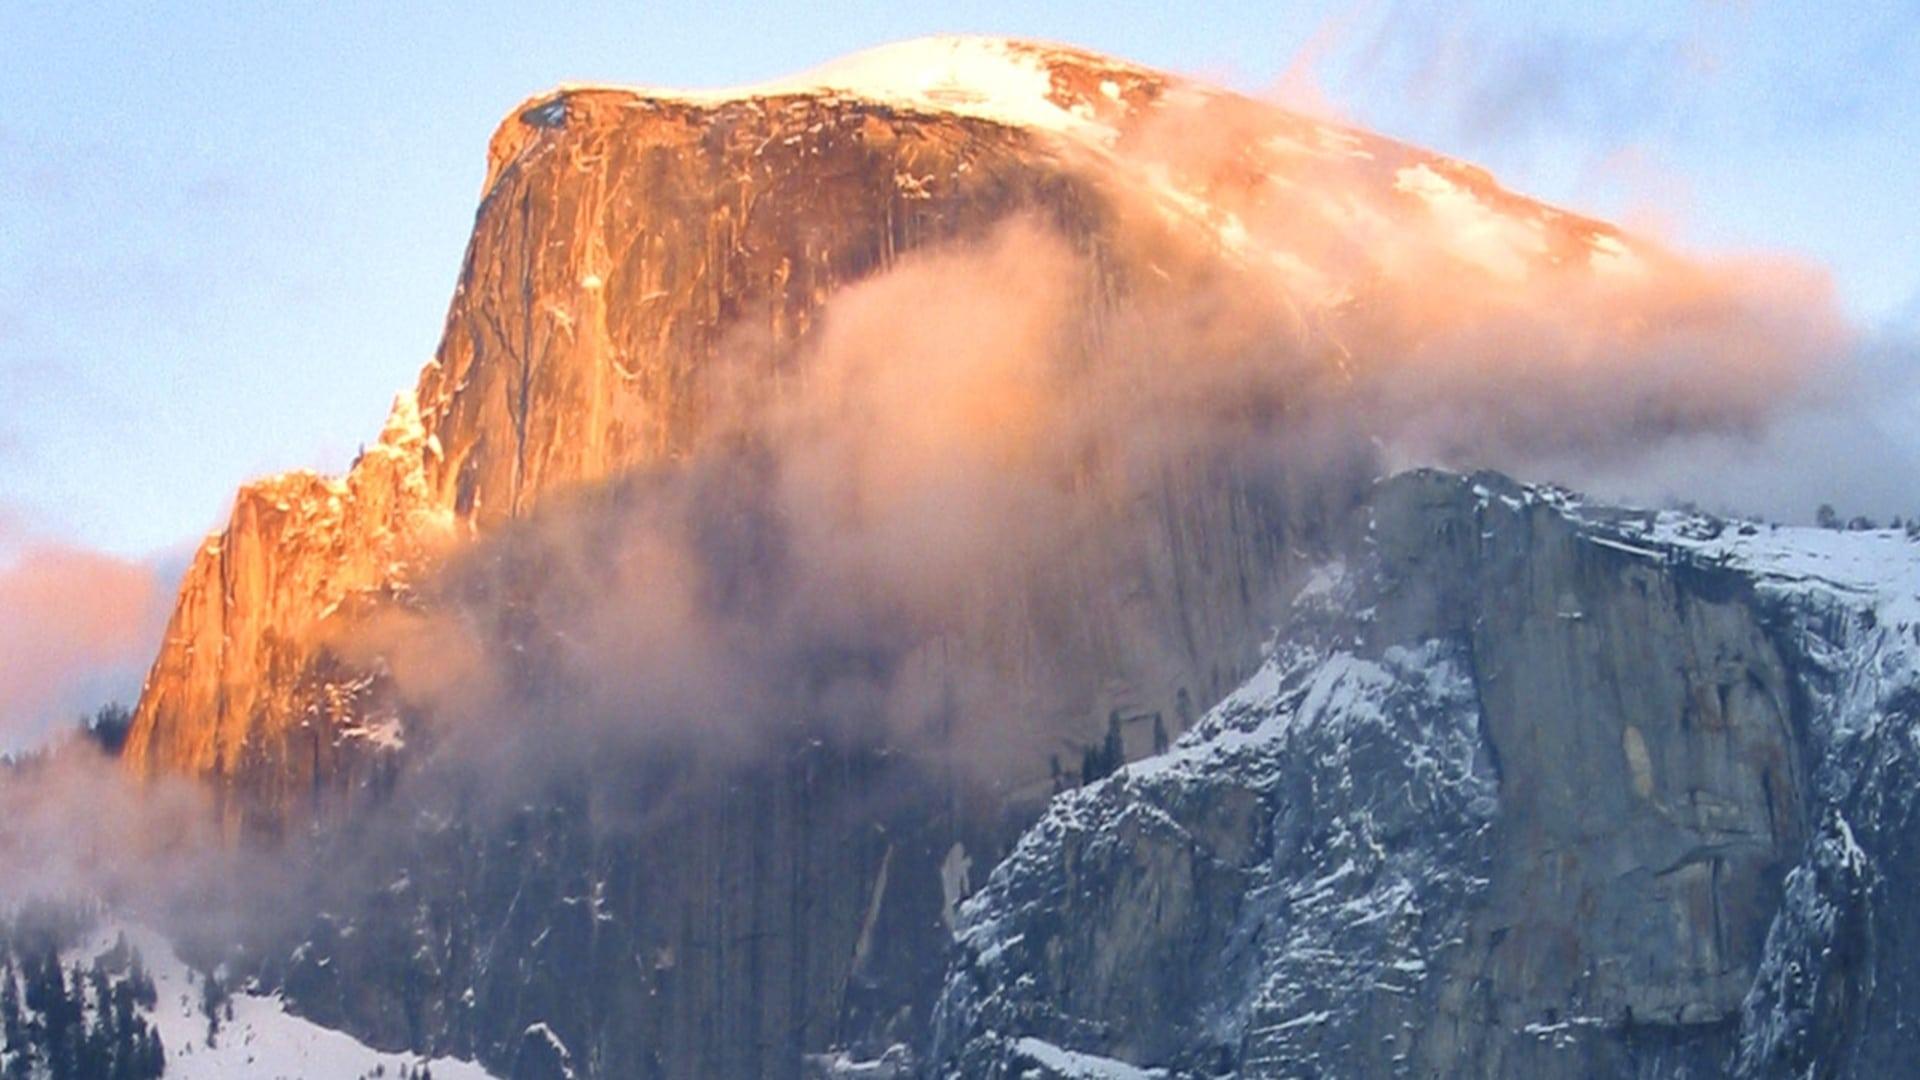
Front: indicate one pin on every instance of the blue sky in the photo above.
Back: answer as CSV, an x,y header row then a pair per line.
x,y
228,233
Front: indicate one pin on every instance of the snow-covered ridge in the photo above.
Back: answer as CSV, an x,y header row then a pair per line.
x,y
1006,80
1853,595
1865,568
1074,1065
1331,917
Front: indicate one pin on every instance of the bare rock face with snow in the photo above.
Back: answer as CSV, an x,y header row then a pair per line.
x,y
1527,787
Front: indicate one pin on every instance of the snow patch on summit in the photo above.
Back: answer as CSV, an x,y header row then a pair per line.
x,y
1006,80
1501,244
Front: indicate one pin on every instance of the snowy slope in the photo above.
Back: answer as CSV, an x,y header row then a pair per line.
x,y
1873,568
262,1040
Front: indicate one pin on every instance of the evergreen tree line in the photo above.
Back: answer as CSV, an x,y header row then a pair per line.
x,y
108,727
76,1023
404,1072
1828,518
1104,758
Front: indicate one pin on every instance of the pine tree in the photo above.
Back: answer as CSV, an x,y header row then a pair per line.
x,y
145,994
97,980
12,1024
1115,749
210,1004
129,1038
54,1030
19,1032
108,727
156,1055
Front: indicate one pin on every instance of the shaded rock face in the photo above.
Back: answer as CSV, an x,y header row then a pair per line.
x,y
650,924
1515,795
1835,990
1651,782
1262,902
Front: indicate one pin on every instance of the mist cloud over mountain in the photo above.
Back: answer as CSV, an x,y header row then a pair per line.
x,y
979,454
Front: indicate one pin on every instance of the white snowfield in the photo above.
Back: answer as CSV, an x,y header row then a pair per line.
x,y
1074,1065
1877,567
263,1041
1005,80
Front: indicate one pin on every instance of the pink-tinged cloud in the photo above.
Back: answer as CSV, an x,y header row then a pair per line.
x,y
73,623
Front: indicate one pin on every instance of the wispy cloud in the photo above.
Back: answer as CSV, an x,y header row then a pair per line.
x,y
1487,79
76,626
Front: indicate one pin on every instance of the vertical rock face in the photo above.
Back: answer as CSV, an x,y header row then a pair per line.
x,y
652,926
625,241
1651,782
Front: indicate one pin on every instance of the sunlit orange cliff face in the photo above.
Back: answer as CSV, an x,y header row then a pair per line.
x,y
998,311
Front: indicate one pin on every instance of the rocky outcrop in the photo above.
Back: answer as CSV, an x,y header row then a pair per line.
x,y
1526,788
241,663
